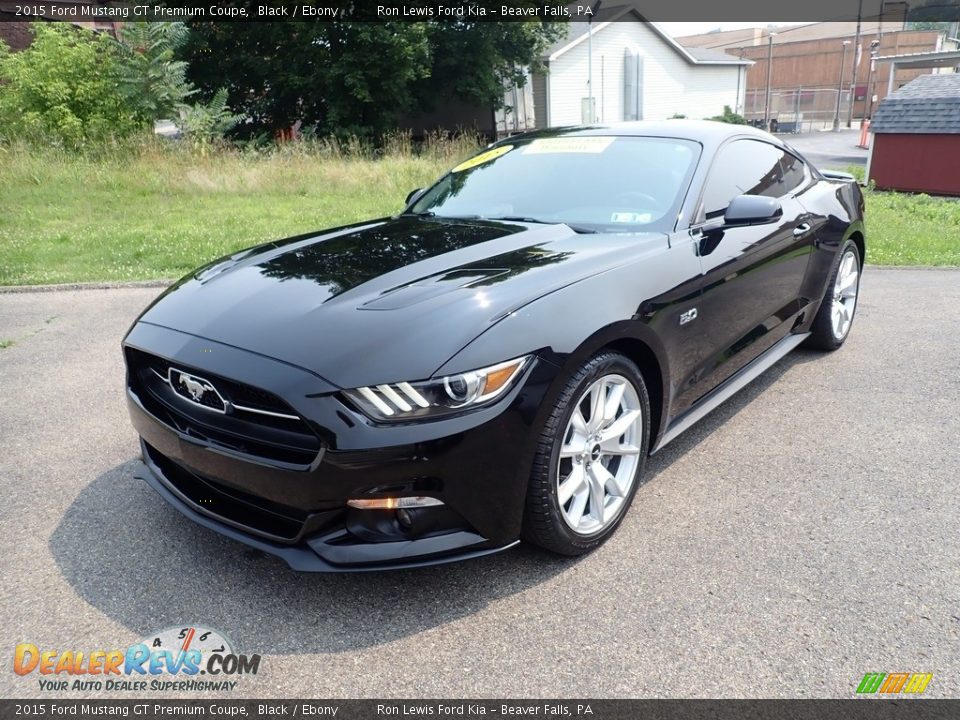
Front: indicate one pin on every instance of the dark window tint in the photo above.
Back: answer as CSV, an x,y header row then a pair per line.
x,y
743,167
794,173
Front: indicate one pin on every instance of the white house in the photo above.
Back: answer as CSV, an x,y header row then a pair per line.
x,y
639,73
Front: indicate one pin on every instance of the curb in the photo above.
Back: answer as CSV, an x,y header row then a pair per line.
x,y
86,286
899,268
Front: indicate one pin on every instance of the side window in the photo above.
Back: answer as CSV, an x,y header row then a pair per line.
x,y
794,173
742,167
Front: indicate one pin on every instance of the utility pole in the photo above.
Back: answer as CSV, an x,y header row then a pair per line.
x,y
593,115
843,60
766,103
871,78
856,65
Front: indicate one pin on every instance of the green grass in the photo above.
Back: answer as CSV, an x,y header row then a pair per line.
x,y
912,229
158,211
906,229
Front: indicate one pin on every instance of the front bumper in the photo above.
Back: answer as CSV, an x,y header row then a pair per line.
x,y
314,555
477,465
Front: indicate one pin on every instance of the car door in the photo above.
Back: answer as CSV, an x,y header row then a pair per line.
x,y
751,274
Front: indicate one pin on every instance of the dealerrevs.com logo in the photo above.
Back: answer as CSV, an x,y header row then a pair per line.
x,y
176,659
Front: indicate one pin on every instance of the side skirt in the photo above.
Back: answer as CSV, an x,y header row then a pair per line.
x,y
730,387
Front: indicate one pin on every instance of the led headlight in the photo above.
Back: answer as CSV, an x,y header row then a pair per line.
x,y
429,398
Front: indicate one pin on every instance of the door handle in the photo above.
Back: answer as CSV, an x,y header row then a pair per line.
x,y
801,229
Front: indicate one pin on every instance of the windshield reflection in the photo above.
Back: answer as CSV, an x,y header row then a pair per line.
x,y
599,183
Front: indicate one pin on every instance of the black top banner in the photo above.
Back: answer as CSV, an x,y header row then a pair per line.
x,y
765,11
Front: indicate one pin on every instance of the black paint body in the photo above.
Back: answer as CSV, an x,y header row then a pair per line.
x,y
290,324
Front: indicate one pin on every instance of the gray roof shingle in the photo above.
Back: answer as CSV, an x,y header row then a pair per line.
x,y
928,105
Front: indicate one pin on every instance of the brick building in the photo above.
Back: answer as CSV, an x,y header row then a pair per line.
x,y
16,34
807,59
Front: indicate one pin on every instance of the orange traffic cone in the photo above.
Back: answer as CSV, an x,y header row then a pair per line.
x,y
864,134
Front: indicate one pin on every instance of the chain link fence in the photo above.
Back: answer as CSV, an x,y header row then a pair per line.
x,y
798,109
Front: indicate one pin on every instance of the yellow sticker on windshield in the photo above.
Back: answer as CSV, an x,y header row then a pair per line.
x,y
483,158
569,145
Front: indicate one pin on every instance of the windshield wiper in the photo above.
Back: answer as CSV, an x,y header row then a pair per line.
x,y
581,229
432,214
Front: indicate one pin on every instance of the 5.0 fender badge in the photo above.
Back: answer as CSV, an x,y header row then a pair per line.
x,y
688,316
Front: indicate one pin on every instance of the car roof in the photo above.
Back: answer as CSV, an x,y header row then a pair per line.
x,y
706,132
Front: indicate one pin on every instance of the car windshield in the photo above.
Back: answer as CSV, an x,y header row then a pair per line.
x,y
593,183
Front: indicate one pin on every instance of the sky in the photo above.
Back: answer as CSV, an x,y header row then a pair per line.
x,y
677,29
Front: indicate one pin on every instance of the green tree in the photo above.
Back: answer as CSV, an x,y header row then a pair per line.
x,y
347,78
472,61
932,15
929,25
152,82
62,89
354,77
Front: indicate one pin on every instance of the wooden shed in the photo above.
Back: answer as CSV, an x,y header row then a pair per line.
x,y
916,137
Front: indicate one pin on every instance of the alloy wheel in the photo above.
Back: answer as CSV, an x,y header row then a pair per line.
x,y
597,464
845,289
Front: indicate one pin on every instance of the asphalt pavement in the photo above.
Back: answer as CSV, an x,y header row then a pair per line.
x,y
802,535
830,150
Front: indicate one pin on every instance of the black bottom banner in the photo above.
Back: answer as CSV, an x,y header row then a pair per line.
x,y
584,709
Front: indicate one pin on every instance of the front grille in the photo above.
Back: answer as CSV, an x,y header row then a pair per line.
x,y
214,499
238,393
235,417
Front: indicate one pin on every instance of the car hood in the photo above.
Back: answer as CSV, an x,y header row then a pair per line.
x,y
385,301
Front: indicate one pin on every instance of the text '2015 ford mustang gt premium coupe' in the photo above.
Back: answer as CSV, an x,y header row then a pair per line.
x,y
497,361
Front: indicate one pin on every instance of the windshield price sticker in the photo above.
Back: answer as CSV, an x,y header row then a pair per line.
x,y
568,145
483,158
631,217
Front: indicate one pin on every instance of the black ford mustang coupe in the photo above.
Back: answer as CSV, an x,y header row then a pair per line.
x,y
497,361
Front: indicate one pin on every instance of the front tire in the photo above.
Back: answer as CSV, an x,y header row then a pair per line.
x,y
589,457
834,319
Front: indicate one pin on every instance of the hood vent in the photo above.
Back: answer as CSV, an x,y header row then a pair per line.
x,y
431,287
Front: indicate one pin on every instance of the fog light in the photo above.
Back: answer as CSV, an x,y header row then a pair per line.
x,y
393,503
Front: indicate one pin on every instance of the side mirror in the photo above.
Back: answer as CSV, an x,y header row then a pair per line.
x,y
412,195
752,210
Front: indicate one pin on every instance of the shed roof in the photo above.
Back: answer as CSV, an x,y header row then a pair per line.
x,y
928,105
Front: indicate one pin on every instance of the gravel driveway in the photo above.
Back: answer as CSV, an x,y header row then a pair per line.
x,y
805,533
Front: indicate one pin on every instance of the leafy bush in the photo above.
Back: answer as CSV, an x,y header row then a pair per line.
x,y
152,83
205,122
62,90
729,116
73,88
155,86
